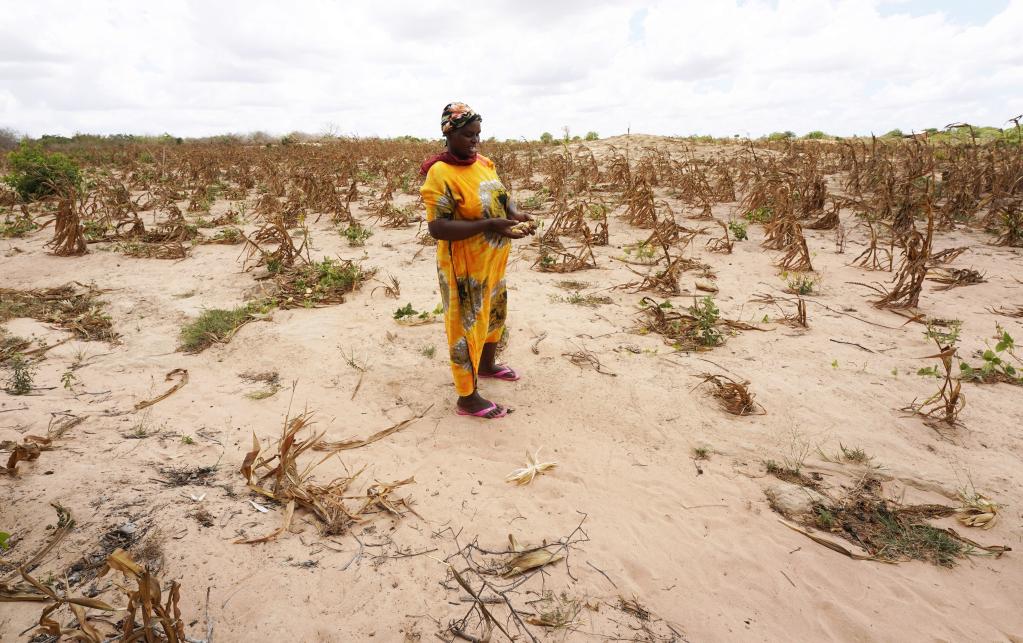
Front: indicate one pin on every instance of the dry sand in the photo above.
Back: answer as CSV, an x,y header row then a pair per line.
x,y
702,551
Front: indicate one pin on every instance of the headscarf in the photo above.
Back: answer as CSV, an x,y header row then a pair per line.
x,y
456,115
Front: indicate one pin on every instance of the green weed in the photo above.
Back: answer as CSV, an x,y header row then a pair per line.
x,y
22,375
707,315
356,234
738,230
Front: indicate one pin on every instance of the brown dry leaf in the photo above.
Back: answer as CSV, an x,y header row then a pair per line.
x,y
250,458
121,561
65,523
344,445
181,374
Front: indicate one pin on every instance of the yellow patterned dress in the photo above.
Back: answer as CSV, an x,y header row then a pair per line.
x,y
471,271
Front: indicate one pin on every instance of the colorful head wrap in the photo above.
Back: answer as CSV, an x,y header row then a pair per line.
x,y
456,115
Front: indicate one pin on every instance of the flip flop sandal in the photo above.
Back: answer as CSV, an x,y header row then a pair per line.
x,y
503,373
482,413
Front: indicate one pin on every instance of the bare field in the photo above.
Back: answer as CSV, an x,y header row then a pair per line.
x,y
716,406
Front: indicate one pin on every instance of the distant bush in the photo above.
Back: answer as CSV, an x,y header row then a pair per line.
x,y
781,136
592,136
547,138
895,133
816,135
35,173
8,139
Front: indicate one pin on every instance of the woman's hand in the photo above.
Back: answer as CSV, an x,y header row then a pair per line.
x,y
504,227
515,215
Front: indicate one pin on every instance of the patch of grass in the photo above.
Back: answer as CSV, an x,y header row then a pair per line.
x,y
141,429
571,284
187,439
321,282
213,326
898,538
428,351
856,455
589,301
701,453
72,307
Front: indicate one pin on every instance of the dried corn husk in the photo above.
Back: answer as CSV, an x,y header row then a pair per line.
x,y
533,468
977,511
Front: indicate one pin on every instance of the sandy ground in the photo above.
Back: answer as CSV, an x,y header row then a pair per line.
x,y
695,542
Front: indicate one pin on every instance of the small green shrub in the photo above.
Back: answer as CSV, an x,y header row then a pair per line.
x,y
707,315
592,136
802,283
22,374
357,234
738,230
547,138
816,135
36,173
408,312
996,366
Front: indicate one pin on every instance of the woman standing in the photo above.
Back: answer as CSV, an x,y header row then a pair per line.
x,y
471,216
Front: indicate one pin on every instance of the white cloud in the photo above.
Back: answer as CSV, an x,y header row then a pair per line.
x,y
666,67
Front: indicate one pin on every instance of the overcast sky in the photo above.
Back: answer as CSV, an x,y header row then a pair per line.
x,y
722,67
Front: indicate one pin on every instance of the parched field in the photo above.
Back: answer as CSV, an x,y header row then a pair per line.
x,y
778,382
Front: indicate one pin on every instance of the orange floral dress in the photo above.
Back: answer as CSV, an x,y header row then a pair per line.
x,y
470,271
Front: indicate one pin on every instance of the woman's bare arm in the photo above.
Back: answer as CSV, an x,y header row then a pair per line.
x,y
451,230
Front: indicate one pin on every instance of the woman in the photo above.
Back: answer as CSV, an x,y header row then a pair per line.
x,y
471,216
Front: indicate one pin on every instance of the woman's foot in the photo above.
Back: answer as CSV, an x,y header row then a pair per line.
x,y
476,406
499,372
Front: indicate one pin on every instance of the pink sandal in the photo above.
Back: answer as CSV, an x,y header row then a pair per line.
x,y
502,373
482,413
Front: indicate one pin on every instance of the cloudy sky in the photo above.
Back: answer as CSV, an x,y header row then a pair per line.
x,y
722,67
